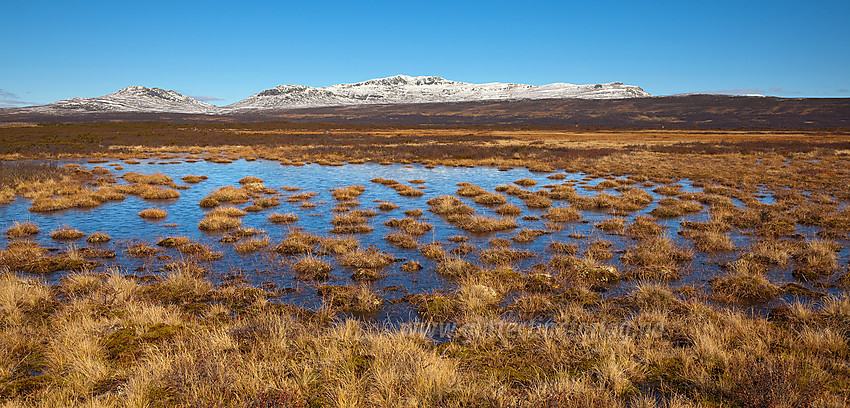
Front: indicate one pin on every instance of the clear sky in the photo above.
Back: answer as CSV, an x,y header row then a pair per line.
x,y
222,52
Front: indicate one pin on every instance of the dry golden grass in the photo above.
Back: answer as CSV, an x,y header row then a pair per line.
x,y
402,240
98,238
22,229
309,267
251,245
67,233
279,218
218,223
191,179
153,213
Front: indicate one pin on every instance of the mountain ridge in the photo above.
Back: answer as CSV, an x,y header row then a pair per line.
x,y
398,89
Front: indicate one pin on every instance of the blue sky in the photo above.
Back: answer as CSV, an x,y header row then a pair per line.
x,y
225,51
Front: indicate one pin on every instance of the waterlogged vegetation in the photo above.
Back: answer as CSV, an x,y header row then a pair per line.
x,y
239,276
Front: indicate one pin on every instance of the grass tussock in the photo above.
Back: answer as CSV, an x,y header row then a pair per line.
x,y
508,210
369,258
312,268
410,226
153,214
192,179
219,223
98,238
656,259
251,245
279,218
22,229
67,233
402,240
562,214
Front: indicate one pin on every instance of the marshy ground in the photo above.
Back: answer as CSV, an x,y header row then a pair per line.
x,y
302,265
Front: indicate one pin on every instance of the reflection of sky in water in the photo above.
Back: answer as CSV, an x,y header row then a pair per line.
x,y
121,222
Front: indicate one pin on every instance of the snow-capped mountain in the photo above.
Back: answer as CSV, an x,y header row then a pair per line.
x,y
131,99
424,89
399,89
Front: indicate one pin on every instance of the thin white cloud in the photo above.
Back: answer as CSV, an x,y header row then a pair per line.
x,y
11,100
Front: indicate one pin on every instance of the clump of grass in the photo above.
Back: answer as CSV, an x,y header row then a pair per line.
x,y
499,243
251,245
350,223
533,305
458,238
158,193
22,229
402,240
656,258
815,259
156,178
387,206
584,271
67,233
338,245
410,226
742,287
357,299
526,182
456,267
191,179
711,240
199,252
370,258
482,224
671,208
266,202
469,190
512,190
652,296
562,214
557,247
644,227
407,191
250,180
312,268
413,213
225,194
599,250
141,250
297,242
232,212
537,201
488,198
153,213
172,242
611,225
215,223
771,252
432,250
279,218
526,235
508,210
670,190
463,249
347,193
98,238
386,182
449,205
